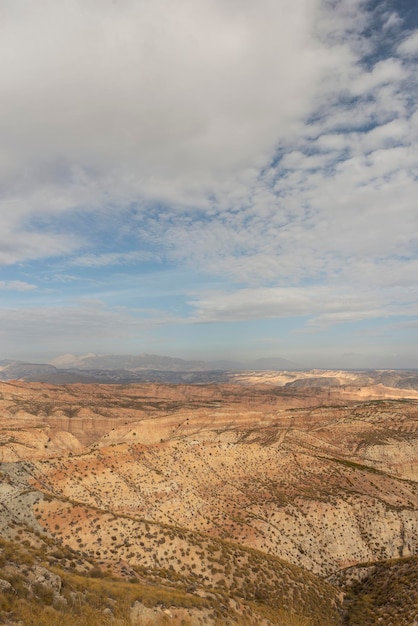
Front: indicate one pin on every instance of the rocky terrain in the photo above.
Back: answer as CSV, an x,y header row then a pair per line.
x,y
257,497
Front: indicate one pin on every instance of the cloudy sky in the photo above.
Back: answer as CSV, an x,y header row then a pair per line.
x,y
210,179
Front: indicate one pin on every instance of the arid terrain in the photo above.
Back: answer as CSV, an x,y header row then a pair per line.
x,y
271,498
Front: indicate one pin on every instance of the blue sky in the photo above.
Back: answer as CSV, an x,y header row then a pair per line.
x,y
210,179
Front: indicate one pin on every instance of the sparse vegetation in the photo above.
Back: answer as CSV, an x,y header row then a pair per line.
x,y
92,599
208,499
387,596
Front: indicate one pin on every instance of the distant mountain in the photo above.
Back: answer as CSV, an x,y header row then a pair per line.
x,y
127,362
165,363
114,368
6,362
121,369
41,372
17,369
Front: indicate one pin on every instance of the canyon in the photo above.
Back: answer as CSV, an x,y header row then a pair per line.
x,y
267,496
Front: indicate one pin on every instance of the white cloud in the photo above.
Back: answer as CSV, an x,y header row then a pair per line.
x,y
17,244
153,90
112,258
316,221
253,142
392,21
323,305
264,303
108,103
409,47
389,71
16,285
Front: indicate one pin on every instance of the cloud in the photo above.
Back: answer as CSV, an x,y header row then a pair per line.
x,y
409,46
65,278
251,304
146,92
112,258
16,285
340,197
18,245
387,72
61,328
108,103
323,305
392,21
269,147
105,104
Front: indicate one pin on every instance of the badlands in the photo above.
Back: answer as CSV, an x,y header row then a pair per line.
x,y
273,498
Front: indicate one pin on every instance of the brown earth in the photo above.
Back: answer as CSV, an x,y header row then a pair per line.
x,y
153,478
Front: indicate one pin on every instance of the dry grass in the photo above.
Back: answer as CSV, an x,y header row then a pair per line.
x,y
387,597
97,598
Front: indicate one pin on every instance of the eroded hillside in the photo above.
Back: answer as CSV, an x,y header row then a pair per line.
x,y
244,488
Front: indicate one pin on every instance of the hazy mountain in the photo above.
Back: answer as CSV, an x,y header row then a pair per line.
x,y
166,363
41,372
114,368
93,368
17,369
5,362
127,362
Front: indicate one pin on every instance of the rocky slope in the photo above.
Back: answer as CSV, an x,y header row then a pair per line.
x,y
384,594
247,490
291,494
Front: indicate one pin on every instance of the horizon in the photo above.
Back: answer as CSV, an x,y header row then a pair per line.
x,y
210,180
292,367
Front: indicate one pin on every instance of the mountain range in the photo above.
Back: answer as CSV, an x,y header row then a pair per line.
x,y
115,368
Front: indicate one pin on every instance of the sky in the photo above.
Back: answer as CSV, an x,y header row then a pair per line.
x,y
210,179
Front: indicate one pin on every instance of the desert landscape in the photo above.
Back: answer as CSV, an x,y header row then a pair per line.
x,y
208,313
272,497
